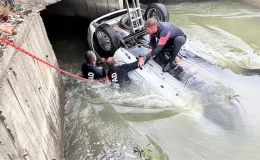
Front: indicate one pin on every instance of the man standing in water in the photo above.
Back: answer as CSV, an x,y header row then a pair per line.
x,y
118,74
90,69
170,38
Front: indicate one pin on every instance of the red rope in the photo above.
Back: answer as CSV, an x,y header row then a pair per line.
x,y
50,65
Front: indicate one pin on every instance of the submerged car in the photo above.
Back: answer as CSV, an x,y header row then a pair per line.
x,y
116,34
114,30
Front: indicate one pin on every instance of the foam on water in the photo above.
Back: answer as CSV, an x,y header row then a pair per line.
x,y
223,35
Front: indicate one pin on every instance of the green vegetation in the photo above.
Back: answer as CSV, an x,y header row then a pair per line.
x,y
145,153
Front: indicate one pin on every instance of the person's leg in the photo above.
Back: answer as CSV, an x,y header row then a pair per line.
x,y
178,43
161,59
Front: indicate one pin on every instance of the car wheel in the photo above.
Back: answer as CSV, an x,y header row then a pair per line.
x,y
107,39
157,11
125,22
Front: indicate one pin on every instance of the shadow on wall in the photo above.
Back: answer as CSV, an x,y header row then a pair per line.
x,y
60,9
63,26
85,8
68,37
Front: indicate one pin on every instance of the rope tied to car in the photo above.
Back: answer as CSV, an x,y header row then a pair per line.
x,y
48,64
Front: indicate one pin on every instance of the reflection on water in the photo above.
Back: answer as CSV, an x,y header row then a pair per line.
x,y
225,33
104,121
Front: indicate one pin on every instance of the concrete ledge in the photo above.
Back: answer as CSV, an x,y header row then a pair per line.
x,y
31,98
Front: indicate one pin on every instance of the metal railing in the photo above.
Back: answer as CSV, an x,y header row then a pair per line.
x,y
135,15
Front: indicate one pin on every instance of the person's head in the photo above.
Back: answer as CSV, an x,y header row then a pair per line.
x,y
151,26
90,57
111,62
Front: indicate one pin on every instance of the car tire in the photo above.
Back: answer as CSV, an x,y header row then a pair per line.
x,y
125,22
155,9
107,39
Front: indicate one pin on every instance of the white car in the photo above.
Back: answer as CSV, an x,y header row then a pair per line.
x,y
107,32
111,35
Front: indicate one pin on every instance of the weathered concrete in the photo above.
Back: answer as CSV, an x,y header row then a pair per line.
x,y
94,8
85,8
31,98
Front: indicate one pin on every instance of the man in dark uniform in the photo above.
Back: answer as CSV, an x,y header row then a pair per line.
x,y
170,38
118,74
90,69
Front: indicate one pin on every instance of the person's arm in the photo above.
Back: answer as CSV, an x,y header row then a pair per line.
x,y
129,66
163,38
152,43
102,61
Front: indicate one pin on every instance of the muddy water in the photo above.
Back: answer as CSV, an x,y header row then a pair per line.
x,y
104,121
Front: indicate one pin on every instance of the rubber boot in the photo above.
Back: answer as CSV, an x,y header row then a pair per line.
x,y
168,65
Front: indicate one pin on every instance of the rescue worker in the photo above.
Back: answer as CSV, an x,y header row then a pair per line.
x,y
90,69
170,38
117,73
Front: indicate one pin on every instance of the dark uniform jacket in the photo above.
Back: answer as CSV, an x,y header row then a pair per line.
x,y
166,34
91,71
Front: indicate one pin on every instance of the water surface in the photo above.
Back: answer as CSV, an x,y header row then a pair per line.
x,y
105,121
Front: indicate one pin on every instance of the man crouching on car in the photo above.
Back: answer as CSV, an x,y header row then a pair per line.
x,y
170,38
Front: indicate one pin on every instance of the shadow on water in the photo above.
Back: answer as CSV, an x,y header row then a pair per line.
x,y
68,36
227,115
220,104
